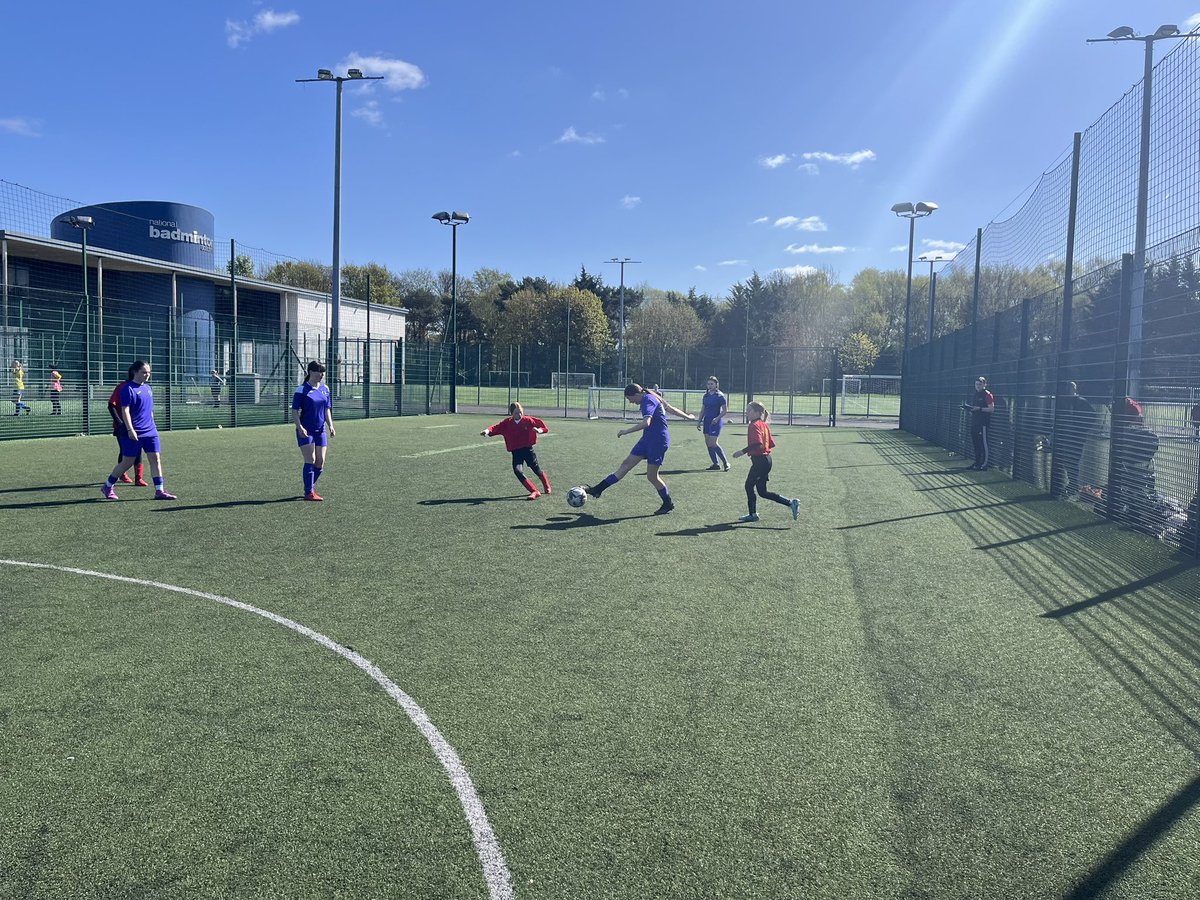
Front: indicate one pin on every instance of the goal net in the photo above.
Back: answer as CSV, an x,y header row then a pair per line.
x,y
572,380
858,391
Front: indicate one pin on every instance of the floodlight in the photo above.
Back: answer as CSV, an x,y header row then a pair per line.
x,y
324,74
354,73
901,208
926,206
442,217
1123,32
1166,31
457,216
80,221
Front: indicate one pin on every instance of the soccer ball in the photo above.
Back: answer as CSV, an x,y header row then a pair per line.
x,y
576,496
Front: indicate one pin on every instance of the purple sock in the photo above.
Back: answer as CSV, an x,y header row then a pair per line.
x,y
309,479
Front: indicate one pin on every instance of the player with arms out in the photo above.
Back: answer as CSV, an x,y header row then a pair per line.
x,y
312,412
759,444
520,434
135,401
712,416
651,447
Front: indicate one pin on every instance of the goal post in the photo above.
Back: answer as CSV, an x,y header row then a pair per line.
x,y
609,402
572,380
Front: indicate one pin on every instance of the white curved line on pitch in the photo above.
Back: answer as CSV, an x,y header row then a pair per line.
x,y
491,857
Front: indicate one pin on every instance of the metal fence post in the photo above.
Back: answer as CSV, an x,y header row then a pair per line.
x,y
233,377
1120,383
975,294
1064,337
1019,397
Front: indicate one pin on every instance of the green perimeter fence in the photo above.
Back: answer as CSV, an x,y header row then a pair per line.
x,y
1142,471
258,363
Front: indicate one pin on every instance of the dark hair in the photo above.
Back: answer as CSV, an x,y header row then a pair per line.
x,y
315,366
136,366
514,406
634,388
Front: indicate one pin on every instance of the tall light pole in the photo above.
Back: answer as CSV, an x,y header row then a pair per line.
x,y
932,258
453,219
83,223
331,362
621,314
1138,287
912,212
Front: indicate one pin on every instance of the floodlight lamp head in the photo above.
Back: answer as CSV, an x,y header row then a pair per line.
x,y
460,217
81,221
1165,31
1123,32
925,207
354,73
324,74
443,217
901,209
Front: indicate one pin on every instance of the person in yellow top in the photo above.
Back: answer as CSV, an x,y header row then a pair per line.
x,y
55,392
18,377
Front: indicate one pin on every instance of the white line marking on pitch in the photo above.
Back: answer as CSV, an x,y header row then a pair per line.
x,y
445,450
452,425
491,857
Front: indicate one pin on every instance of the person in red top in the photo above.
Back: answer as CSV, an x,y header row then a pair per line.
x,y
114,410
759,444
520,434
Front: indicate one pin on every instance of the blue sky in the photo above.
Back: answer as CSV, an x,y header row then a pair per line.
x,y
707,139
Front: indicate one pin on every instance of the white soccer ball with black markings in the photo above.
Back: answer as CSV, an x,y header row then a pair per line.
x,y
576,496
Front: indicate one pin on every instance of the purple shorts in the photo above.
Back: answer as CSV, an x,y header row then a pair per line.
x,y
653,452
712,427
131,448
320,438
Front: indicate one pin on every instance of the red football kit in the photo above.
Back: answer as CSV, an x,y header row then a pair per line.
x,y
518,435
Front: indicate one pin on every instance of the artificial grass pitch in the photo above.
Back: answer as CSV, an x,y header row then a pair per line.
x,y
934,684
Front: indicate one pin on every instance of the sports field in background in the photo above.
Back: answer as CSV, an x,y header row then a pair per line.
x,y
930,686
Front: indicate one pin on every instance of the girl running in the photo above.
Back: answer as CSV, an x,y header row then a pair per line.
x,y
758,445
520,434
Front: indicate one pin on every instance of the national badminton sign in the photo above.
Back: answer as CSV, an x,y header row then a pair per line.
x,y
173,232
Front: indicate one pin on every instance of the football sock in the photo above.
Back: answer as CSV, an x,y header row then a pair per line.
x,y
721,453
309,481
158,483
545,481
608,482
112,480
665,494
139,469
712,454
528,484
317,474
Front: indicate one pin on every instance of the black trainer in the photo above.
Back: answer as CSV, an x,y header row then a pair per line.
x,y
666,507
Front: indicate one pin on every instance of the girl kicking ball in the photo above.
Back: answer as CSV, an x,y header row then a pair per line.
x,y
758,446
520,434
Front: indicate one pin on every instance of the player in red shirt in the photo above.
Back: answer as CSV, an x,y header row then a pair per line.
x,y
520,434
759,444
114,410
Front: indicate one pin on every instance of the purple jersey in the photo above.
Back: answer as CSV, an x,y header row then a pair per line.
x,y
312,403
711,405
140,401
656,435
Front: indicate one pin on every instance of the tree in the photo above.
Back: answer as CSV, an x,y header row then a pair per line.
x,y
858,353
589,327
241,266
662,328
418,292
384,289
305,274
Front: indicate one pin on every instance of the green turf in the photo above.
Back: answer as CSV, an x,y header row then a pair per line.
x,y
936,684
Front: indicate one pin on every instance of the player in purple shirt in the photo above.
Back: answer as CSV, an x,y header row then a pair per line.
x,y
312,411
712,416
651,447
136,402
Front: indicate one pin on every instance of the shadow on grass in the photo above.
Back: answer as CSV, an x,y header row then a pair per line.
x,y
50,504
1022,500
228,504
720,527
49,487
580,520
468,501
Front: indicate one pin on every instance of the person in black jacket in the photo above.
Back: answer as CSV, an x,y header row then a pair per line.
x,y
982,405
1075,419
1135,448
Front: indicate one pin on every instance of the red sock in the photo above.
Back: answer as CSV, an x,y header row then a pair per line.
x,y
528,485
138,470
545,481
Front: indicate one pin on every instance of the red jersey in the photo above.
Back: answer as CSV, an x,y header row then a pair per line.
x,y
758,439
114,410
518,435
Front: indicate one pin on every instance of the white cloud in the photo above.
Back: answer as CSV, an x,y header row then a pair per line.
x,y
1192,23
238,33
899,248
774,162
733,262
515,154
598,94
797,271
809,168
631,202
808,223
571,136
813,248
853,160
953,246
20,127
398,75
760,220
700,268
370,113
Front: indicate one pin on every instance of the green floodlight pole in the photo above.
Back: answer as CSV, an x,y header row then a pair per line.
x,y
336,275
912,212
622,376
83,223
1137,299
453,219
